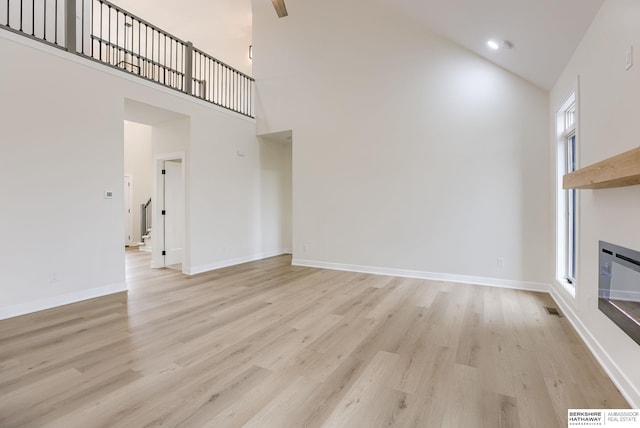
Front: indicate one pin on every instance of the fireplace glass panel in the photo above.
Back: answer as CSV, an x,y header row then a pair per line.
x,y
619,287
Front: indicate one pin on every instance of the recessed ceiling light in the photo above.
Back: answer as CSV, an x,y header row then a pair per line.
x,y
504,44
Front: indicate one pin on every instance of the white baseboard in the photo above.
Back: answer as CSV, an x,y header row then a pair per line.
x,y
617,376
194,270
464,279
64,299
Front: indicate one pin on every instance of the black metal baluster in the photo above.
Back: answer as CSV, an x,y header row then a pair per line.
x,y
209,74
117,59
139,49
101,25
219,84
109,41
171,75
203,64
153,39
146,49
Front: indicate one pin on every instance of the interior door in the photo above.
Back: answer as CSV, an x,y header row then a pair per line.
x,y
174,212
128,210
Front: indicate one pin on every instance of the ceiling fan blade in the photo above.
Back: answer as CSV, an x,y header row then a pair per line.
x,y
281,9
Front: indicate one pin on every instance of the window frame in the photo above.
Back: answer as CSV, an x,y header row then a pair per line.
x,y
567,200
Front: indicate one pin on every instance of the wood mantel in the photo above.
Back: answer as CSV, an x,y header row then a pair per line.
x,y
617,171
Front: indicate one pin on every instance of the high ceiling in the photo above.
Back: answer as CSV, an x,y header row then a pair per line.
x,y
544,33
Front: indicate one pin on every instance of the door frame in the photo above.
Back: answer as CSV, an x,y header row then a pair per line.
x,y
157,229
128,216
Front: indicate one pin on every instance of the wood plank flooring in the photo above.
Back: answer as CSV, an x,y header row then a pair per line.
x,y
265,344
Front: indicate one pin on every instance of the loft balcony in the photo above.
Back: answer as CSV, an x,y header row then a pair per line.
x,y
103,32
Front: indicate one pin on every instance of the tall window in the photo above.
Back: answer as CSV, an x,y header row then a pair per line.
x,y
567,204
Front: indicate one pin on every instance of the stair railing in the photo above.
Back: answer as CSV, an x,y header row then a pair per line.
x,y
145,218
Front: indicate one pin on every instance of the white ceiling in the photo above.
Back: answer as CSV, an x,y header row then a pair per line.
x,y
544,33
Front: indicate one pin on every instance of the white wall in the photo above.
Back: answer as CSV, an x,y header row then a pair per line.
x,y
63,140
276,173
138,162
411,154
609,102
63,147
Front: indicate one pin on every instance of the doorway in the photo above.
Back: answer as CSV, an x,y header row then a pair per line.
x,y
169,235
174,212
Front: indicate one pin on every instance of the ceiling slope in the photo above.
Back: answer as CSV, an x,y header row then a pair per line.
x,y
544,33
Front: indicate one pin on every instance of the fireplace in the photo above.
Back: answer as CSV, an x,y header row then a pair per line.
x,y
619,287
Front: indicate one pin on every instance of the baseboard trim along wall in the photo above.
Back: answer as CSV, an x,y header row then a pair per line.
x,y
61,300
194,270
617,376
463,279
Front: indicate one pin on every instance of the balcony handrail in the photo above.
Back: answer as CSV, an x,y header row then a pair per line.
x,y
222,63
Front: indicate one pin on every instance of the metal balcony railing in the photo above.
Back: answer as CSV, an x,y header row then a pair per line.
x,y
109,34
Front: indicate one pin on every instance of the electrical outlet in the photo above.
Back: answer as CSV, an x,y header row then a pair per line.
x,y
629,58
500,262
306,247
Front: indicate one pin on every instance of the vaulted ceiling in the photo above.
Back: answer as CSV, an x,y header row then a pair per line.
x,y
544,33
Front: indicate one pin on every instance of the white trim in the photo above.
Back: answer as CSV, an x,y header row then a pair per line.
x,y
157,232
61,300
569,288
617,376
463,279
128,217
194,270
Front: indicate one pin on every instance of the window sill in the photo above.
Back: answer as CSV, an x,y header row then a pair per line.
x,y
568,287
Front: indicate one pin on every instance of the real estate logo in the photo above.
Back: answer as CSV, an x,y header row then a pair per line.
x,y
623,418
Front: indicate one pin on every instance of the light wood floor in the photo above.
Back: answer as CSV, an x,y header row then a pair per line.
x,y
265,344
